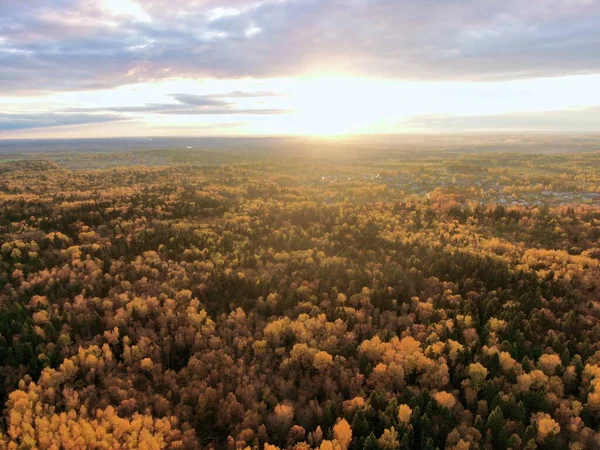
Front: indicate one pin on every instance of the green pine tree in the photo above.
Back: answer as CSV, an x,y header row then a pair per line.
x,y
371,443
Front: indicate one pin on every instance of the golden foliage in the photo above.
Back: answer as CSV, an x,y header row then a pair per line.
x,y
342,433
445,399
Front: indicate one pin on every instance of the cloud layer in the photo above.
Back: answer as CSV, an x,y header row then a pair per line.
x,y
567,120
184,105
83,44
10,122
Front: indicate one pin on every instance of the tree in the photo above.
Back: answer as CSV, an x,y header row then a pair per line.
x,y
342,432
389,439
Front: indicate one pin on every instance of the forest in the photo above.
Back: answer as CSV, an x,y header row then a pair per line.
x,y
390,300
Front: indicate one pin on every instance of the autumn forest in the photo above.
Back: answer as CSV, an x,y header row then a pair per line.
x,y
390,300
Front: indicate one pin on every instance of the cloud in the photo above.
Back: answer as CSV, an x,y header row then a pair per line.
x,y
193,105
168,108
73,44
258,94
214,104
200,100
10,122
225,111
566,120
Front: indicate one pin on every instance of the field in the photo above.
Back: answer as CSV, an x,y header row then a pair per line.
x,y
369,299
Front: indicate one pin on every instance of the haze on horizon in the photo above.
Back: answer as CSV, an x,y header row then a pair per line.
x,y
86,68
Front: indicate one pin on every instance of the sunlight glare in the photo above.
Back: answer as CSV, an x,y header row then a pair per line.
x,y
128,8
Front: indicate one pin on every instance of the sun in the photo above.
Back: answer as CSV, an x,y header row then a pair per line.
x,y
336,106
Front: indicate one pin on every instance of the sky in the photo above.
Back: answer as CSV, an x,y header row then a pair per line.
x,y
111,68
